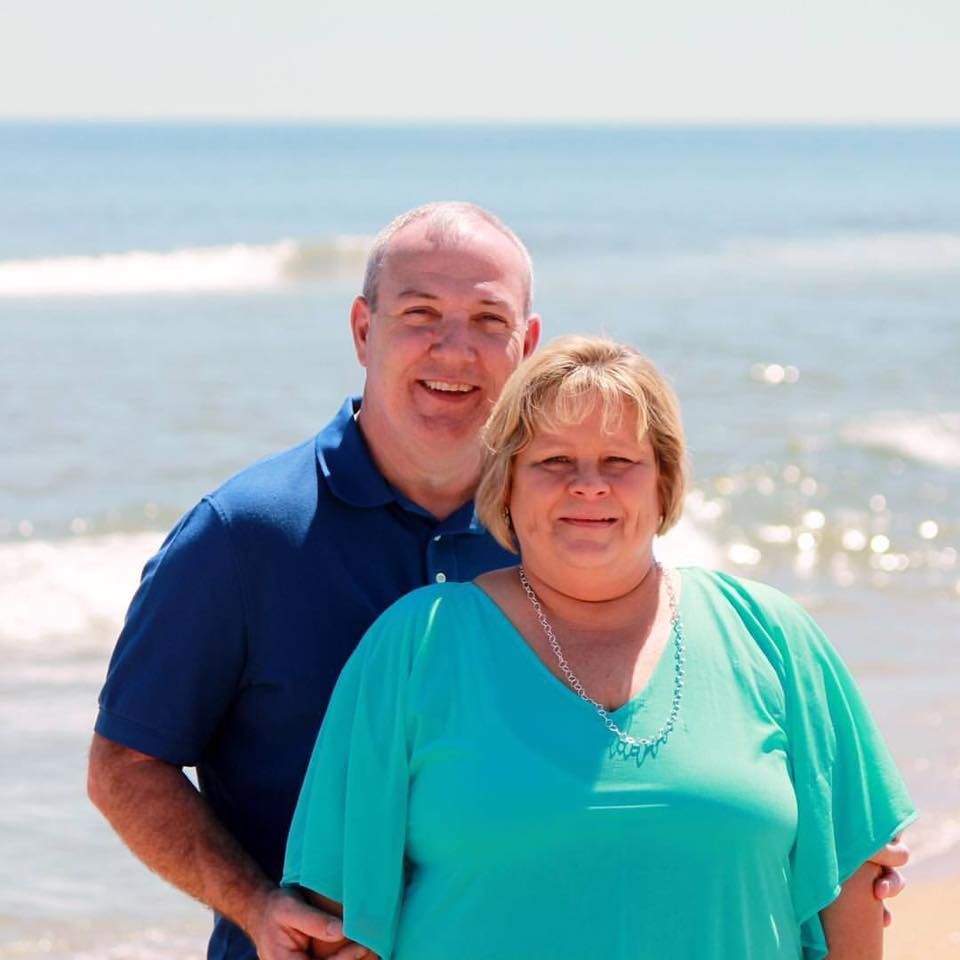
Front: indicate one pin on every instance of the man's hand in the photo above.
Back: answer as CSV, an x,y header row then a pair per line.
x,y
889,883
283,927
164,820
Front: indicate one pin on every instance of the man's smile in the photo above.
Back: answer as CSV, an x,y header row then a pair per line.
x,y
448,386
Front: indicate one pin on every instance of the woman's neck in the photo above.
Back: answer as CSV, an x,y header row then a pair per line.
x,y
603,606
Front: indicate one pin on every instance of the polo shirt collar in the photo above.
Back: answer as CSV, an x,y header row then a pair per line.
x,y
353,477
346,463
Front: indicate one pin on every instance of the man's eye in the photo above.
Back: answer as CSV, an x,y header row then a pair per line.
x,y
494,320
419,314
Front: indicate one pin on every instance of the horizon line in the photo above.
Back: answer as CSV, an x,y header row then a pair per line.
x,y
581,122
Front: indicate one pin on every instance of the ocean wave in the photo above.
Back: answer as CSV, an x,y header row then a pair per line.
x,y
688,544
934,836
73,591
212,269
247,267
88,937
871,255
932,439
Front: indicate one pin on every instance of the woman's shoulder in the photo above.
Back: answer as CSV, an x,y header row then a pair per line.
x,y
777,622
761,596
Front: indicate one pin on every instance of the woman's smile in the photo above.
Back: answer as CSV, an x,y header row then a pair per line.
x,y
588,522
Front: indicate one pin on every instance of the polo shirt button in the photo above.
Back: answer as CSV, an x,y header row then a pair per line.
x,y
438,538
441,578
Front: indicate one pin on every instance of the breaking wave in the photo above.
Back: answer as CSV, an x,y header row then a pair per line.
x,y
874,257
212,269
73,593
933,439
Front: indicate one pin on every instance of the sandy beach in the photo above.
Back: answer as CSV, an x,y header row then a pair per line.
x,y
926,923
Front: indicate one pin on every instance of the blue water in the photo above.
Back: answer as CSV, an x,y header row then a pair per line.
x,y
801,287
96,188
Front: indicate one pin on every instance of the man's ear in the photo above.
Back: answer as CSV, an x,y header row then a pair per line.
x,y
531,336
360,328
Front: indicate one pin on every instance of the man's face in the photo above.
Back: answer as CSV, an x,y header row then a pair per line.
x,y
449,328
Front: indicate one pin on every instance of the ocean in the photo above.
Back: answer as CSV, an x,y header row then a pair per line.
x,y
174,304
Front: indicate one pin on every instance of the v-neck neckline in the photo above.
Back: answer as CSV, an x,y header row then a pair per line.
x,y
629,706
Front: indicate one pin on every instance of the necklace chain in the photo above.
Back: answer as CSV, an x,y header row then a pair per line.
x,y
630,744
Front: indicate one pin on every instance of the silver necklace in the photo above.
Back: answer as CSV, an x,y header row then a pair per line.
x,y
631,746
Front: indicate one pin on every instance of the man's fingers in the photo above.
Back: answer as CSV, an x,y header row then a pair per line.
x,y
354,951
895,854
286,915
311,921
888,884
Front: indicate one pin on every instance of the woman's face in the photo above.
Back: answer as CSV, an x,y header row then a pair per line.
x,y
585,504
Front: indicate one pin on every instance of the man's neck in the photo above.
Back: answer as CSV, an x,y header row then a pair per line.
x,y
440,501
433,479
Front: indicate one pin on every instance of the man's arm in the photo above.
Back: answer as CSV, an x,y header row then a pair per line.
x,y
853,923
165,821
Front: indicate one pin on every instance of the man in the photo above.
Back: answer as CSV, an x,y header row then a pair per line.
x,y
246,615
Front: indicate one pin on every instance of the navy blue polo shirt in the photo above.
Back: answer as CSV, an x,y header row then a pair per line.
x,y
246,615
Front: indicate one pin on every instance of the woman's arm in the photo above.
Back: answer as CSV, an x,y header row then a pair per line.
x,y
853,923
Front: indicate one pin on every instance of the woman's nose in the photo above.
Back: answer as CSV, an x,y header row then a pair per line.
x,y
588,480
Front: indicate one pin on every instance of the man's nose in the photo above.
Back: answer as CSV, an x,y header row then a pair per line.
x,y
455,339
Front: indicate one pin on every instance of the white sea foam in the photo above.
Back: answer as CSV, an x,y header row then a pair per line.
x,y
233,267
880,252
870,255
86,940
246,267
73,591
934,836
933,439
688,543
76,591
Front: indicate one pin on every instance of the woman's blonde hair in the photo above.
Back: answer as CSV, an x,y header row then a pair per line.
x,y
560,385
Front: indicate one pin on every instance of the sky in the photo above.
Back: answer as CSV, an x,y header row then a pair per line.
x,y
594,61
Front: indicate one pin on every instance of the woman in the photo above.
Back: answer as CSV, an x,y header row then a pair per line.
x,y
589,755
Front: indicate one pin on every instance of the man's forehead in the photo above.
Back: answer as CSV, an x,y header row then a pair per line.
x,y
483,263
469,239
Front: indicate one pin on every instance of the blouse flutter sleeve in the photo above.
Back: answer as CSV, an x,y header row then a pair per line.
x,y
851,798
347,837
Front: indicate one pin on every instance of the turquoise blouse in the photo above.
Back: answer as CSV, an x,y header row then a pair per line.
x,y
463,802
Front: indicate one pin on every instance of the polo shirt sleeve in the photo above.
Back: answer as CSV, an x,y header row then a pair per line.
x,y
348,834
179,659
851,798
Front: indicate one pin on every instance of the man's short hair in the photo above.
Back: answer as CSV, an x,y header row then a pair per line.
x,y
560,384
450,221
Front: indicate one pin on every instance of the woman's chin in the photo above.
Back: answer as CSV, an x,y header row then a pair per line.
x,y
584,568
